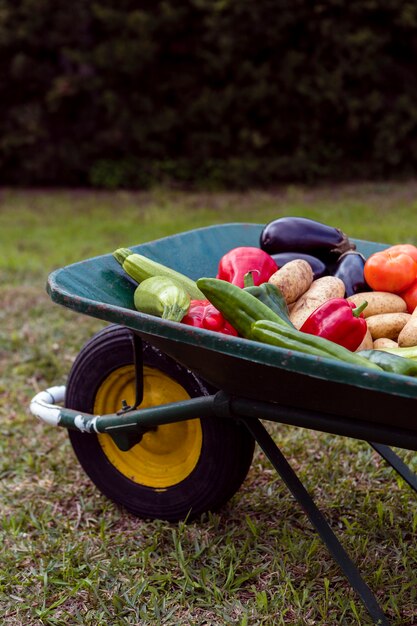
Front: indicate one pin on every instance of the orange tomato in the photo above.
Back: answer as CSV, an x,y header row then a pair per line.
x,y
390,270
407,248
410,296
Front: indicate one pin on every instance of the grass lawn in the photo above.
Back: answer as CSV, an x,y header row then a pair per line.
x,y
70,556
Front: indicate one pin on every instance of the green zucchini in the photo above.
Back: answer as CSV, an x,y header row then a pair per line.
x,y
140,268
163,297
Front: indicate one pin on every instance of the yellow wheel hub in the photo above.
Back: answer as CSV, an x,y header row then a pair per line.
x,y
164,457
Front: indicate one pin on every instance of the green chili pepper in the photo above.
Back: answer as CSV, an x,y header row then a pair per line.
x,y
270,295
277,339
286,337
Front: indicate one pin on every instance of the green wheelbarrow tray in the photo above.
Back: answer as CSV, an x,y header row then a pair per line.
x,y
255,381
382,404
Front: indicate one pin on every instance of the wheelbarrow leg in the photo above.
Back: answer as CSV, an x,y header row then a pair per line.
x,y
299,492
396,463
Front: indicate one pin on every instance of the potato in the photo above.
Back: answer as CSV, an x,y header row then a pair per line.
x,y
384,342
408,335
321,290
379,302
388,325
367,342
293,279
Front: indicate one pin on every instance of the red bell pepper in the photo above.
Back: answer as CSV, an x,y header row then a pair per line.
x,y
239,261
203,314
339,321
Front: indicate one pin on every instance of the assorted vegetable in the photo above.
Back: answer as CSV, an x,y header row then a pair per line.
x,y
391,362
236,263
405,248
270,295
410,297
300,234
304,289
239,307
163,297
406,352
407,336
293,339
320,291
202,314
367,342
379,302
339,321
139,268
317,265
350,268
378,344
388,325
390,270
293,279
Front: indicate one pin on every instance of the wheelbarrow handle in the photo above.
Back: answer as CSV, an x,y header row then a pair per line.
x,y
45,407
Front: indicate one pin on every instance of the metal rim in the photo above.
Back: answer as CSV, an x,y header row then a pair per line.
x,y
165,456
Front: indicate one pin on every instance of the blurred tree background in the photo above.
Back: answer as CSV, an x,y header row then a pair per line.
x,y
232,93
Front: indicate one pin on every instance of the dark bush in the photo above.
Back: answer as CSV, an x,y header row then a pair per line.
x,y
219,92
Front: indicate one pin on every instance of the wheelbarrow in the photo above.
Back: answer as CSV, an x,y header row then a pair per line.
x,y
163,417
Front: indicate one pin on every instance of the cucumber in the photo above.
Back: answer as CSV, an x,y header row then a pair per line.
x,y
140,268
238,306
391,362
163,297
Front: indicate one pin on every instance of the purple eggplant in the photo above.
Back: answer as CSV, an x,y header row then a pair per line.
x,y
349,268
317,265
301,234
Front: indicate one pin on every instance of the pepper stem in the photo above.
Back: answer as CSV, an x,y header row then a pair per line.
x,y
358,310
248,279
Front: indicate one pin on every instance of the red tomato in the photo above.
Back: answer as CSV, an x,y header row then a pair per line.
x,y
407,248
391,271
410,296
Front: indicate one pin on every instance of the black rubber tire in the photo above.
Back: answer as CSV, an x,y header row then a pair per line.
x,y
226,451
